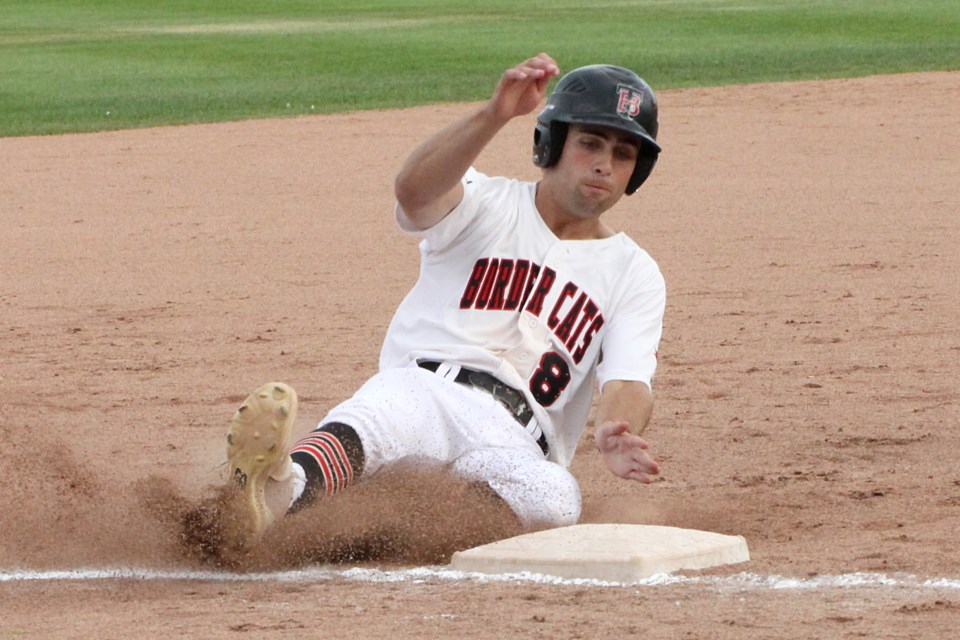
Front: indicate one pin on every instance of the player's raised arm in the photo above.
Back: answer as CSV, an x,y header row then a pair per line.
x,y
428,185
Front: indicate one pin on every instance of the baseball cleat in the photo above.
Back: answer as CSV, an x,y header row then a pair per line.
x,y
257,444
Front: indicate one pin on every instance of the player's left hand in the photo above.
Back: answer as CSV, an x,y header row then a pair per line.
x,y
625,453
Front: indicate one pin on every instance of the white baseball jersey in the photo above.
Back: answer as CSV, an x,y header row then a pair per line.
x,y
499,292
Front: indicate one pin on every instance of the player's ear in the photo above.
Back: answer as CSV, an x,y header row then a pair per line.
x,y
548,141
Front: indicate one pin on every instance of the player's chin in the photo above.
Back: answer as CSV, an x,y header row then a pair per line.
x,y
590,208
595,201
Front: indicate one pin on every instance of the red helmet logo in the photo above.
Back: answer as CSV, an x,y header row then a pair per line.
x,y
629,101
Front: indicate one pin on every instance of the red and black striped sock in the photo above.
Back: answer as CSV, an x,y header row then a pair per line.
x,y
331,457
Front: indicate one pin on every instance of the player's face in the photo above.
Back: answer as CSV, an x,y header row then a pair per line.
x,y
593,171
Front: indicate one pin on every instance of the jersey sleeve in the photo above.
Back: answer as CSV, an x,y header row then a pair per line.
x,y
454,223
632,339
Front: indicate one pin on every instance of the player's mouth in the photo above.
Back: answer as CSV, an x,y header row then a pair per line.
x,y
596,187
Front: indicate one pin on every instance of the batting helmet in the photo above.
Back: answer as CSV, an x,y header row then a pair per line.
x,y
602,95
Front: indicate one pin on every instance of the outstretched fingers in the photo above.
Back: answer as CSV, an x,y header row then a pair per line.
x,y
625,453
642,468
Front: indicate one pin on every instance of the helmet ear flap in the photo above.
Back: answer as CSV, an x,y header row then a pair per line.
x,y
641,171
548,142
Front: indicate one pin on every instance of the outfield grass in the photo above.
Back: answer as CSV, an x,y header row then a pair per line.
x,y
82,65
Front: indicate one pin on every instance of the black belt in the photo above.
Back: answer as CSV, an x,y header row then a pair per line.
x,y
511,399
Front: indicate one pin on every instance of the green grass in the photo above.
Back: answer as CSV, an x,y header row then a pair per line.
x,y
82,65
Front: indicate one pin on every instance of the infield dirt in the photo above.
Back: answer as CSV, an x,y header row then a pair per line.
x,y
807,395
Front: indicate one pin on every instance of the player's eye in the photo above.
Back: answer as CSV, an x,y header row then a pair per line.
x,y
590,142
625,152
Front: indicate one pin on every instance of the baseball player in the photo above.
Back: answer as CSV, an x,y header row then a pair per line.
x,y
525,304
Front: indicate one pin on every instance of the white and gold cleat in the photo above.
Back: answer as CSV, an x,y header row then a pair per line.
x,y
257,451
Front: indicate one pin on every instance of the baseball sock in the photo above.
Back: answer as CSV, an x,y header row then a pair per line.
x,y
331,458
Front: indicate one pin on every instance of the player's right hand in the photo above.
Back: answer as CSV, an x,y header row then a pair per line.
x,y
522,88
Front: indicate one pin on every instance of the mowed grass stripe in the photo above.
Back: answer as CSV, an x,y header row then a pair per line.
x,y
277,27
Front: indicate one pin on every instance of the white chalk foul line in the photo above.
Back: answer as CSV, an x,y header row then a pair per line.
x,y
748,581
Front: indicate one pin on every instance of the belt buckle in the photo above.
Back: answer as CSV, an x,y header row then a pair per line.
x,y
511,400
502,393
